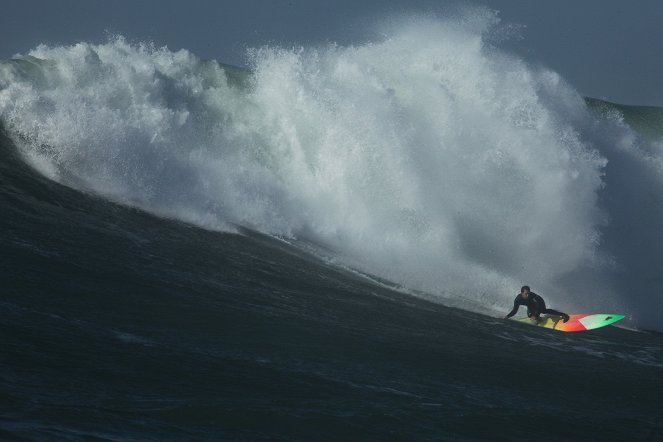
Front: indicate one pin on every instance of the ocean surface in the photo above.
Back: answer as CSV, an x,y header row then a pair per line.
x,y
321,246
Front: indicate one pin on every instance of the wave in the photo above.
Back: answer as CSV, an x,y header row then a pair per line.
x,y
647,121
429,157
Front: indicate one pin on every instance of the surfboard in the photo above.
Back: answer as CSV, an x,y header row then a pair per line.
x,y
576,323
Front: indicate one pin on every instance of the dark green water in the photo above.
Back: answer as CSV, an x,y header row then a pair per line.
x,y
646,120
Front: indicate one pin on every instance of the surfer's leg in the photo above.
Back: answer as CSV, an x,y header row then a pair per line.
x,y
550,311
533,315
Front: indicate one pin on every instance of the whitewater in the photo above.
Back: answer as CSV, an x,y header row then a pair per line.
x,y
429,157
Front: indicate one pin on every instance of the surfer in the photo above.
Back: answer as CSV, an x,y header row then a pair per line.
x,y
535,305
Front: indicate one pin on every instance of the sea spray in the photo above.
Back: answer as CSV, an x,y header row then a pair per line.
x,y
428,156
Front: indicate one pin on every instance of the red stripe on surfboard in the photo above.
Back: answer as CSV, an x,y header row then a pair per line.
x,y
573,324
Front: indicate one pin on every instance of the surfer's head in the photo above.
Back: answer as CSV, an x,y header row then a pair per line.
x,y
524,291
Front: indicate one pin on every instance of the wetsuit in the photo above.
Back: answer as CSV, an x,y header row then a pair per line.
x,y
535,306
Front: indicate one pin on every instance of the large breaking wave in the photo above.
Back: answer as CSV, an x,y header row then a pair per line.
x,y
429,157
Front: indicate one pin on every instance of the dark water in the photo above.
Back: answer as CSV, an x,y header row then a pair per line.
x,y
120,326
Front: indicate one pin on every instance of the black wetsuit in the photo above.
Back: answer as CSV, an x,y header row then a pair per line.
x,y
535,306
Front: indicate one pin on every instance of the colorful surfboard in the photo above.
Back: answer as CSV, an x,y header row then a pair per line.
x,y
575,323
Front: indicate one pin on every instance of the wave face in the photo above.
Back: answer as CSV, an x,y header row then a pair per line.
x,y
429,157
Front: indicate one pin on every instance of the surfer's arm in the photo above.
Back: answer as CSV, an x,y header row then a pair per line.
x,y
514,310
